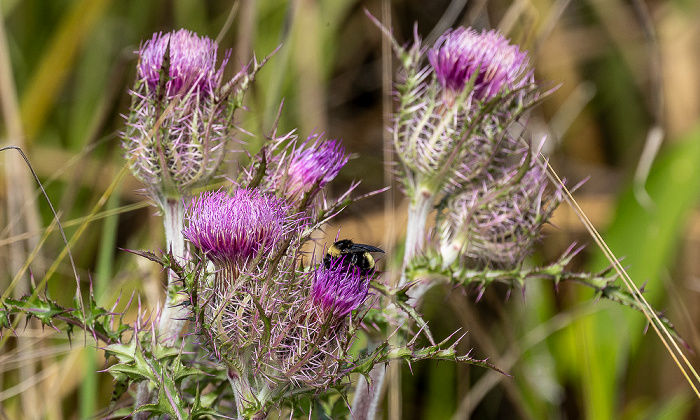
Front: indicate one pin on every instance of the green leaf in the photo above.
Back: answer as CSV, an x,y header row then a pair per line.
x,y
34,306
180,371
125,353
121,371
198,410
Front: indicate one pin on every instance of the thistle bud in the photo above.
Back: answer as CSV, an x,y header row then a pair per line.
x,y
177,124
498,222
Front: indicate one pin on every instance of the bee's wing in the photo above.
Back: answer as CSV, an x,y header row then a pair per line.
x,y
364,247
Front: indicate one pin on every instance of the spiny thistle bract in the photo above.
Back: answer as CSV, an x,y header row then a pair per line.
x,y
181,115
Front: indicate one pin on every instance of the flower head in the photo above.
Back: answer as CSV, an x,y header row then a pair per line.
x,y
230,229
498,221
296,169
459,54
313,165
192,63
177,124
443,134
337,290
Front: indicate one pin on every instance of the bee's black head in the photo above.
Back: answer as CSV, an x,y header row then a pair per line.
x,y
339,247
343,245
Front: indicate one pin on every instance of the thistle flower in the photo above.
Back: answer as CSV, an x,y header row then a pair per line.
x,y
461,54
192,63
337,290
442,135
313,165
179,120
230,229
296,170
310,343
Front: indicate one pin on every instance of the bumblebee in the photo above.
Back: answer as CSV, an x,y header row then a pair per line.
x,y
351,255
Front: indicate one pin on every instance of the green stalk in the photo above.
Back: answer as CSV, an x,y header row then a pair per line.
x,y
367,397
173,316
105,267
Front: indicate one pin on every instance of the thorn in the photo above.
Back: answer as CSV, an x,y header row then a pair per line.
x,y
642,289
482,290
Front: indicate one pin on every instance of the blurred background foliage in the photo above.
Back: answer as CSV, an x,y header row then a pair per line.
x,y
628,71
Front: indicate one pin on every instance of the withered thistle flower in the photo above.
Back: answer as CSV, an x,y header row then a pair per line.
x,y
179,118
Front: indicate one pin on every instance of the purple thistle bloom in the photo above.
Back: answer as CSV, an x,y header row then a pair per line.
x,y
459,53
295,169
337,290
232,229
192,62
313,165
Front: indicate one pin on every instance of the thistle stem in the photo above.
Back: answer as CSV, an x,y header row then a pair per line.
x,y
418,212
242,394
367,397
174,315
364,405
235,381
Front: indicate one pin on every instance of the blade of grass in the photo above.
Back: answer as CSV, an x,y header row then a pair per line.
x,y
89,389
79,220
